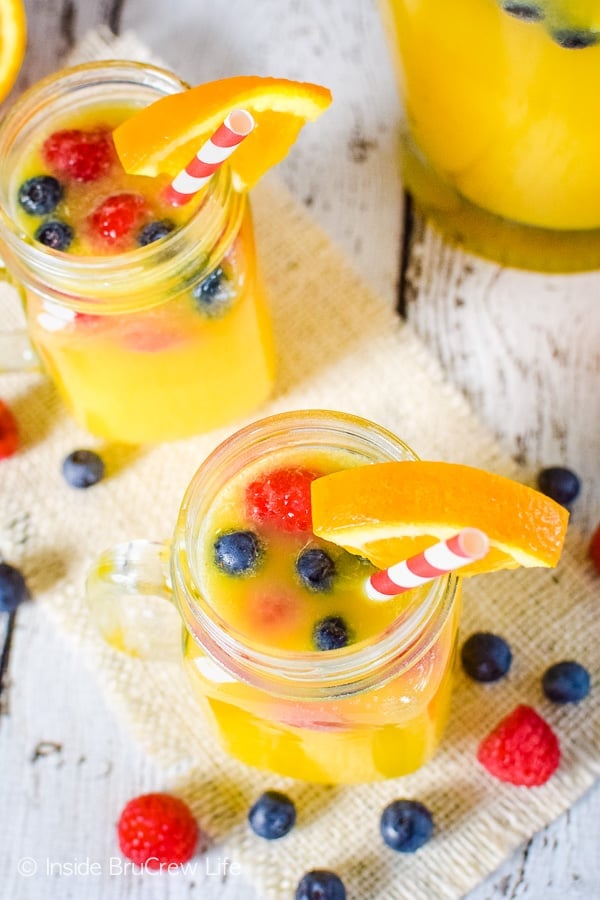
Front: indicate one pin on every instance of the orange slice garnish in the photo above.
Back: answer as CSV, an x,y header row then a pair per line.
x,y
162,138
389,512
13,37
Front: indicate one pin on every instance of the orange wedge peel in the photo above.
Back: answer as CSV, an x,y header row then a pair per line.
x,y
389,512
13,38
162,138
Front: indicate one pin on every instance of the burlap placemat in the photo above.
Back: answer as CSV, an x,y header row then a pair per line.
x,y
339,347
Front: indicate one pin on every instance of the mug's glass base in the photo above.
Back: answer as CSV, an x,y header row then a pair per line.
x,y
478,231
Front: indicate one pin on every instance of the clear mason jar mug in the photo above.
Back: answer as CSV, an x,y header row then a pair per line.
x,y
370,709
170,339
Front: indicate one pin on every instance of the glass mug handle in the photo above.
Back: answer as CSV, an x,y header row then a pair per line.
x,y
130,599
16,352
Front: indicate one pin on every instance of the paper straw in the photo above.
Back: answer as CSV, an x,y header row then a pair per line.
x,y
237,126
437,560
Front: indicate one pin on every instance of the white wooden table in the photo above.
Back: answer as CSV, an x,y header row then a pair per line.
x,y
524,349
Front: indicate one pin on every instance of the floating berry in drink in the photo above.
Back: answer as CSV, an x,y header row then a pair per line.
x,y
273,611
528,12
40,195
316,569
238,552
281,498
55,234
154,231
79,155
575,39
331,633
114,222
214,295
272,816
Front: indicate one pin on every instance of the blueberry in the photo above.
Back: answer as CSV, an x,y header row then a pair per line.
x,y
237,552
316,569
13,589
154,231
566,682
330,633
485,656
83,468
406,825
213,295
559,483
40,195
575,40
55,234
320,884
529,12
272,816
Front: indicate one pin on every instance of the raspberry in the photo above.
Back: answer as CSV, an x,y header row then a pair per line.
x,y
9,432
157,830
80,155
594,546
281,498
117,218
522,749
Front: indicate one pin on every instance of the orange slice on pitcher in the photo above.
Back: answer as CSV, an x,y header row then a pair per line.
x,y
13,34
162,138
389,512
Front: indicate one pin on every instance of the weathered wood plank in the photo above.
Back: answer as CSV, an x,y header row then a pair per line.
x,y
529,368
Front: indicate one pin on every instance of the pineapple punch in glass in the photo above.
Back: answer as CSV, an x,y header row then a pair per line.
x,y
306,659
148,315
501,141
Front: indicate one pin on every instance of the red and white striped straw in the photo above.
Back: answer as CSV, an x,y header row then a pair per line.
x,y
237,126
440,559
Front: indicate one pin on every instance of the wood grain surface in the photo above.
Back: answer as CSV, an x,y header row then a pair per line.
x,y
524,348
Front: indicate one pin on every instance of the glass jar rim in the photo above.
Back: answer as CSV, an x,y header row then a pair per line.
x,y
122,282
306,674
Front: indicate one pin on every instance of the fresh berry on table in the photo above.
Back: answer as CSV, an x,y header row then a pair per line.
x,y
594,548
13,588
522,749
406,825
560,484
320,884
566,682
9,432
485,656
157,829
40,195
272,816
83,468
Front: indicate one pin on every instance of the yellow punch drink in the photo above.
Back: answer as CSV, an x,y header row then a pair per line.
x,y
500,99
